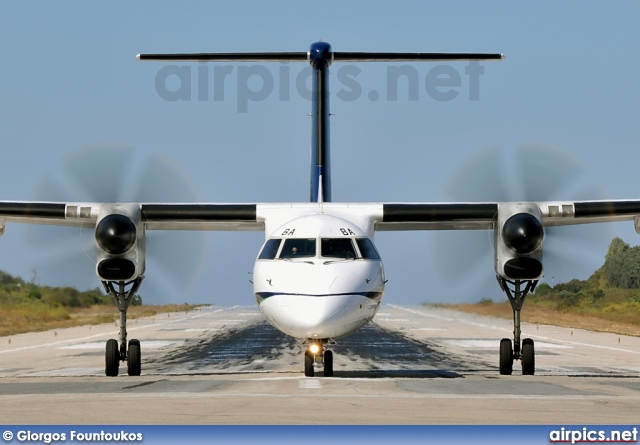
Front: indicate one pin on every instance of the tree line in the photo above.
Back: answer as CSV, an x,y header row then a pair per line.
x,y
14,290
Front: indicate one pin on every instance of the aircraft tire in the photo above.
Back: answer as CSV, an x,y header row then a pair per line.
x,y
112,358
328,363
134,358
506,357
528,357
308,364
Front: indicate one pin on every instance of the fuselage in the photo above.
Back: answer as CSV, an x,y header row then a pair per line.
x,y
318,277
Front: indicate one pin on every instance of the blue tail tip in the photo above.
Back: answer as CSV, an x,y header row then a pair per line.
x,y
320,55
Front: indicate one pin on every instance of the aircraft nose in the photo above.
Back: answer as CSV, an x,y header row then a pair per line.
x,y
321,310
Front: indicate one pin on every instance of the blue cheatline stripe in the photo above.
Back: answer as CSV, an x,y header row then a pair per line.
x,y
261,296
292,434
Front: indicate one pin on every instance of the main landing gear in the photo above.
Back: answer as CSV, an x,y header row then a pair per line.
x,y
317,355
115,354
525,352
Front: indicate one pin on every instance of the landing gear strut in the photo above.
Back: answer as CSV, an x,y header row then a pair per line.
x,y
114,354
525,351
317,355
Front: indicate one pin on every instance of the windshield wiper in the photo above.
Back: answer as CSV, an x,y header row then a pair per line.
x,y
341,260
301,261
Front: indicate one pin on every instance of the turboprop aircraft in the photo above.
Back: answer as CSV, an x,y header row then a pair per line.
x,y
318,275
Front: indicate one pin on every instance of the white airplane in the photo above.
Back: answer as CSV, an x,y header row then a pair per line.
x,y
318,276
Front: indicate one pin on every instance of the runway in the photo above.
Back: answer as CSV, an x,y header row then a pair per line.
x,y
413,365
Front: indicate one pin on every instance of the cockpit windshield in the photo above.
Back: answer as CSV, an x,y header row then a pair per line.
x,y
298,248
367,249
337,248
270,249
340,248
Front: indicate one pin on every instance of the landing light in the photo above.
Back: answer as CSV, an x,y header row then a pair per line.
x,y
314,348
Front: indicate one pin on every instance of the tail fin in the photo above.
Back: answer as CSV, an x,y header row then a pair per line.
x,y
320,56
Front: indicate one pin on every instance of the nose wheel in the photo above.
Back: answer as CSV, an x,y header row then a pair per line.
x,y
308,364
328,363
317,356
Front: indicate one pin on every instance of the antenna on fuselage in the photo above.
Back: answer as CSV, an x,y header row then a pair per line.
x,y
320,56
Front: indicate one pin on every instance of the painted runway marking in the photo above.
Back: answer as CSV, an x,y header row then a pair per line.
x,y
310,384
148,344
492,344
473,323
210,395
66,372
106,334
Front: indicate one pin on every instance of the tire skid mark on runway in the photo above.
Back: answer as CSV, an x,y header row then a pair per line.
x,y
107,334
378,352
388,350
139,385
235,346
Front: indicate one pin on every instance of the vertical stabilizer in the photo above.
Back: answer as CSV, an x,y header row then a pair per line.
x,y
320,58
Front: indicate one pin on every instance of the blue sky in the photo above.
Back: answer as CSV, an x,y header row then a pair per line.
x,y
71,86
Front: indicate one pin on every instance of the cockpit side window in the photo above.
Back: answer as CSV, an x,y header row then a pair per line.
x,y
270,249
337,248
298,248
367,249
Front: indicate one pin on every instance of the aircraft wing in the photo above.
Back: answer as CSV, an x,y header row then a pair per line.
x,y
518,226
383,216
477,216
179,216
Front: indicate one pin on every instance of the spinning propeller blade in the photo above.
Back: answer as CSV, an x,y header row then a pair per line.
x,y
532,172
117,173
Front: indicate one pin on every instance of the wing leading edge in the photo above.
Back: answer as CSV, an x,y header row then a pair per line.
x,y
177,216
371,216
475,216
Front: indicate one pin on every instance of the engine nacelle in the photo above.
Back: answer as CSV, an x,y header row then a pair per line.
x,y
120,241
518,239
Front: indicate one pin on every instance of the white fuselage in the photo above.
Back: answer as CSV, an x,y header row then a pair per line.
x,y
318,277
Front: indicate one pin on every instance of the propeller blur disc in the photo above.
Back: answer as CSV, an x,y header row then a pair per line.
x,y
531,172
117,173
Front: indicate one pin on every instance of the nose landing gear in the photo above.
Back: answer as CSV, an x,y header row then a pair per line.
x,y
508,351
114,354
316,356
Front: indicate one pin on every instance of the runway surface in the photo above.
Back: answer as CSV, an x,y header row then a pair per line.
x,y
413,365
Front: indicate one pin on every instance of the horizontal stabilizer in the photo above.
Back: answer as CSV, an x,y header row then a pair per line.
x,y
304,57
228,57
411,57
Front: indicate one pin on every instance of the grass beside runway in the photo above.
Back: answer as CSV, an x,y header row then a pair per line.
x,y
536,313
608,301
37,317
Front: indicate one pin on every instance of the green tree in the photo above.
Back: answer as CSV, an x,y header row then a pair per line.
x,y
616,248
622,268
542,289
574,286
